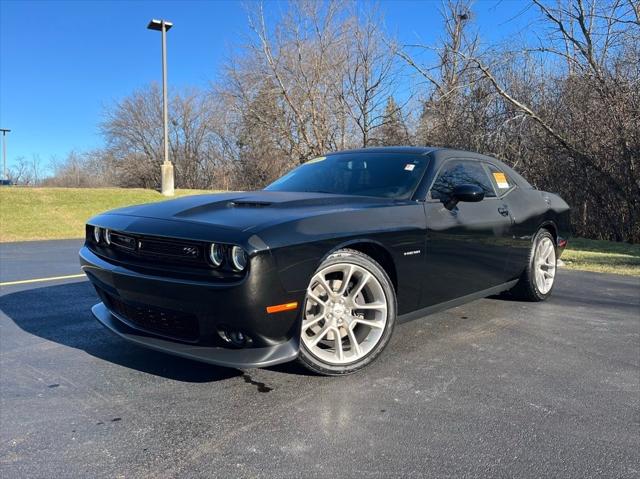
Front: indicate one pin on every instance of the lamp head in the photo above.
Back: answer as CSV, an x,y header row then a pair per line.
x,y
157,25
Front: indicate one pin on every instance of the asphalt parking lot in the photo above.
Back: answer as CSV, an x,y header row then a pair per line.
x,y
491,389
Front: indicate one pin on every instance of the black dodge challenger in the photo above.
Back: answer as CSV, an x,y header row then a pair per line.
x,y
321,264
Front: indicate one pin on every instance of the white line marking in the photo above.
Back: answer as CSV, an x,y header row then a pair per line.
x,y
40,280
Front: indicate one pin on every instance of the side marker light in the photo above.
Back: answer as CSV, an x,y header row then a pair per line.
x,y
282,307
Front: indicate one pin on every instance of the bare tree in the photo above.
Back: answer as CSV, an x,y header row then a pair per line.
x,y
315,81
572,129
133,131
26,172
87,169
304,56
562,105
597,129
371,74
450,81
18,173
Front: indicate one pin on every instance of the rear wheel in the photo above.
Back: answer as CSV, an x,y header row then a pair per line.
x,y
536,282
348,316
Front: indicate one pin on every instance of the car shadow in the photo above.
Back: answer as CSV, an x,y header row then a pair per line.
x,y
507,296
62,314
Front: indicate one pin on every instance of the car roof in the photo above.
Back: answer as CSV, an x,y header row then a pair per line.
x,y
412,150
439,153
442,152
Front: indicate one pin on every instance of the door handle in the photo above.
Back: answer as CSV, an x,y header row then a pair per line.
x,y
503,210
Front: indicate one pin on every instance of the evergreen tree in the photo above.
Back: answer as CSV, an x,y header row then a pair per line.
x,y
259,140
393,131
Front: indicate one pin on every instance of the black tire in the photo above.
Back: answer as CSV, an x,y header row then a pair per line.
x,y
527,288
349,256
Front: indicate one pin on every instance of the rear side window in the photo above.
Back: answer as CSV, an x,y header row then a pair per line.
x,y
461,172
500,179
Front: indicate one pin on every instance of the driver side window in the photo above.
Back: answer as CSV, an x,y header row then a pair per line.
x,y
461,172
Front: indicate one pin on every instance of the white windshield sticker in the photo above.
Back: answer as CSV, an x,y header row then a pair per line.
x,y
409,167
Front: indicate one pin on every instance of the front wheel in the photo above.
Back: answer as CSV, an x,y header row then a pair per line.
x,y
348,316
538,278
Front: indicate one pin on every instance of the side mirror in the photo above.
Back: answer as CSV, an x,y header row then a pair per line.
x,y
467,193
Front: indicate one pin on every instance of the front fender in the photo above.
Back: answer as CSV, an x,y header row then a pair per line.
x,y
300,246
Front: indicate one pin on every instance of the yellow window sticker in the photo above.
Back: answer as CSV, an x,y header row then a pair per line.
x,y
501,180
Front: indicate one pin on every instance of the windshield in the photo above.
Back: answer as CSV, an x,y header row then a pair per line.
x,y
381,174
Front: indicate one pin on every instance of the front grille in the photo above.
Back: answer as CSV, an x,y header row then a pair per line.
x,y
165,322
158,250
186,251
162,256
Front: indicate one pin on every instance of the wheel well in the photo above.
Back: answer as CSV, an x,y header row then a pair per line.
x,y
382,256
551,228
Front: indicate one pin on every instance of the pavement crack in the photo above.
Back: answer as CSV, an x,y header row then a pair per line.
x,y
262,387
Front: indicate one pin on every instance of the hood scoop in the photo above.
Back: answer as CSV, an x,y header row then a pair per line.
x,y
250,204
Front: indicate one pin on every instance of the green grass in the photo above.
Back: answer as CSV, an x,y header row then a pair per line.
x,y
602,256
60,213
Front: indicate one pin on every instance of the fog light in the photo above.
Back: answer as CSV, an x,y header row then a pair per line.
x,y
96,233
238,258
235,337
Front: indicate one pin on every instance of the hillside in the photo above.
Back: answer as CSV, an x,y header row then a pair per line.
x,y
59,213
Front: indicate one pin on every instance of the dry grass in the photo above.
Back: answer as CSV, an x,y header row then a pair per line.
x,y
60,213
602,256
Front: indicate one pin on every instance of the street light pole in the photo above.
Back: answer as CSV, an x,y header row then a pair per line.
x,y
4,153
163,26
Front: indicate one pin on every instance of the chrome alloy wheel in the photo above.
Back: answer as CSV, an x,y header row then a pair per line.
x,y
545,265
345,313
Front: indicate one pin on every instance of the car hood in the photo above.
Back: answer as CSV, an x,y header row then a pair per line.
x,y
249,211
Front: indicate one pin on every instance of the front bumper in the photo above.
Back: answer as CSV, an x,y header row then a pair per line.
x,y
232,358
210,306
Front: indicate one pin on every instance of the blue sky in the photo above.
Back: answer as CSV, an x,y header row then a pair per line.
x,y
62,63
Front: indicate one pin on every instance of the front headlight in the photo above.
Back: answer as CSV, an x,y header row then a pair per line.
x,y
216,254
238,258
96,233
107,236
